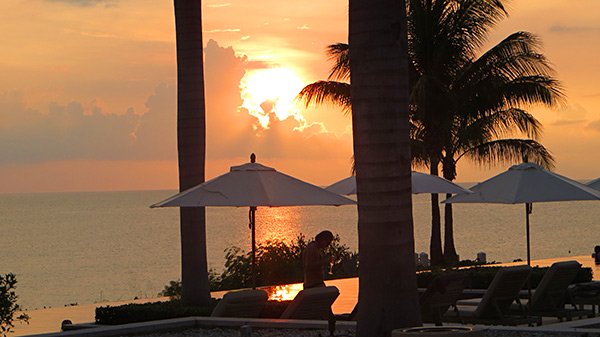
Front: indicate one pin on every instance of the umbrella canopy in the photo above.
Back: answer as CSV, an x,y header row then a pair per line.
x,y
595,184
252,185
525,184
421,183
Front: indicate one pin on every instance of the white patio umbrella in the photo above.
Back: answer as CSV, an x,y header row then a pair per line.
x,y
595,184
525,184
421,183
252,185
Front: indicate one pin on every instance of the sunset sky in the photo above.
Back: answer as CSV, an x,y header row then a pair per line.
x,y
88,90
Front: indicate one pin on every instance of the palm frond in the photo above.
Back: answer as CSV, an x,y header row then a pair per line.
x,y
534,89
509,151
337,93
472,19
418,152
516,56
338,54
498,124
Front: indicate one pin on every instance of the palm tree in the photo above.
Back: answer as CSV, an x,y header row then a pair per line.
x,y
191,143
509,76
451,87
380,99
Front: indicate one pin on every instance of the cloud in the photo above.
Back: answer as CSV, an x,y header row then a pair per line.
x,y
572,110
562,122
218,5
76,130
594,125
88,3
573,29
231,131
62,132
222,30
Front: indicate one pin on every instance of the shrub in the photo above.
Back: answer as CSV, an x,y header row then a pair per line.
x,y
130,313
8,304
277,262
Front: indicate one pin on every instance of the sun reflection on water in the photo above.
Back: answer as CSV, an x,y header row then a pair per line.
x,y
277,223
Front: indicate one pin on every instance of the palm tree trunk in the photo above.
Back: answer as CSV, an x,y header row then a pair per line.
x,y
191,144
450,256
379,76
435,245
449,172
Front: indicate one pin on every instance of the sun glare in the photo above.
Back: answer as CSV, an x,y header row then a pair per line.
x,y
266,91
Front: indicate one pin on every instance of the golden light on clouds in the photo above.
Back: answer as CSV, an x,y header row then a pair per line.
x,y
271,92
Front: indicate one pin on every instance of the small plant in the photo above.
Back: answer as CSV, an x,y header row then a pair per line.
x,y
8,304
172,290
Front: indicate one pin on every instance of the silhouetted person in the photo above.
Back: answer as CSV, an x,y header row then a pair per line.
x,y
596,254
313,260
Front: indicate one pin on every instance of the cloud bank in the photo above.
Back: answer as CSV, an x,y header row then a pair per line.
x,y
88,3
78,130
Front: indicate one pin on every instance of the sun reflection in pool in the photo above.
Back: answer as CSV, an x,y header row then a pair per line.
x,y
283,292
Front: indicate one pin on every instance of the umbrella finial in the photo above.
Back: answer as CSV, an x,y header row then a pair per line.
x,y
252,158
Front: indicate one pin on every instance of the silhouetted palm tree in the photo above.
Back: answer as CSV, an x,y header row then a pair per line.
x,y
454,93
191,144
380,104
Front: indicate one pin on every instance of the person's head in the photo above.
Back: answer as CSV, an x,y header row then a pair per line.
x,y
324,239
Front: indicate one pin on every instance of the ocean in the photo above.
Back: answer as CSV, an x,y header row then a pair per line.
x,y
94,247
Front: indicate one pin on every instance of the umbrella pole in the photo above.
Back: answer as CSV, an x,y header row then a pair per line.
x,y
252,226
528,209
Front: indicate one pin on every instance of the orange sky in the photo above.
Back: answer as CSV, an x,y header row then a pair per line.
x,y
88,100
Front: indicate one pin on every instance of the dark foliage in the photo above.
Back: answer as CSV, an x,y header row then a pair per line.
x,y
8,304
131,313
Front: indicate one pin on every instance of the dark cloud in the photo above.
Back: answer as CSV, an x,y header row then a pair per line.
x,y
62,132
88,3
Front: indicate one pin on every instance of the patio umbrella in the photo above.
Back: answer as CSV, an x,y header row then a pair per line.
x,y
252,185
525,184
595,184
421,183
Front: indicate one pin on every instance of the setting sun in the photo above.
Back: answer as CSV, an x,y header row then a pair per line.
x,y
273,90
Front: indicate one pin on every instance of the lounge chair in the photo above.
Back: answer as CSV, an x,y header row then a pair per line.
x,y
494,307
313,303
585,294
244,303
443,293
548,299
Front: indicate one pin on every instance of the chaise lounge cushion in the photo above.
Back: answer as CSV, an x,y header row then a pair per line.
x,y
244,303
313,303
